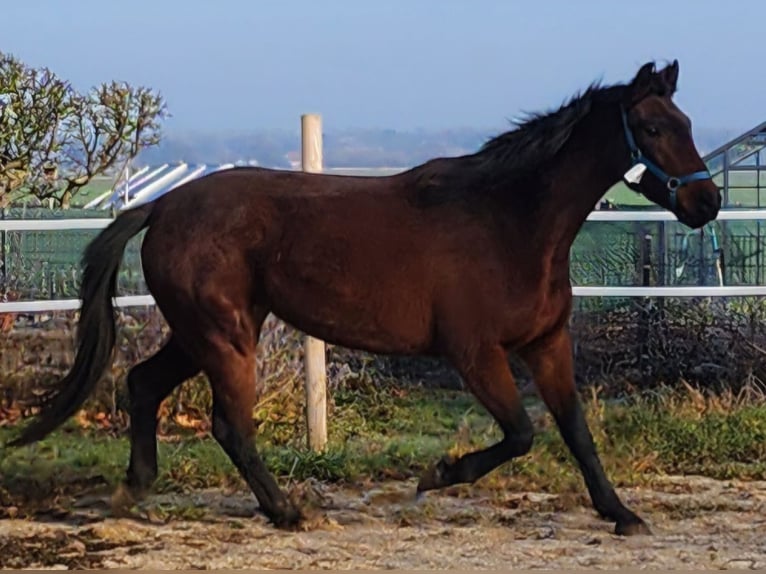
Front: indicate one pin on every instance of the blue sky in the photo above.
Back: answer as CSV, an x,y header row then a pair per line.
x,y
400,64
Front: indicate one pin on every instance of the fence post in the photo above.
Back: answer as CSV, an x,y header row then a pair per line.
x,y
661,248
4,248
702,269
646,261
314,349
644,320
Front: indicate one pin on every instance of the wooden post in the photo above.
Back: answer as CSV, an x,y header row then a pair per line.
x,y
314,349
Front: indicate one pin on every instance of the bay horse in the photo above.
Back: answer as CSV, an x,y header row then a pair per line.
x,y
466,258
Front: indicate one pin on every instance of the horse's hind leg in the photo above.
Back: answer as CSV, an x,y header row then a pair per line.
x,y
552,368
229,359
233,428
149,383
489,377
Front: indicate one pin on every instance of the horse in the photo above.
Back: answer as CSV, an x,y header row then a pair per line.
x,y
464,258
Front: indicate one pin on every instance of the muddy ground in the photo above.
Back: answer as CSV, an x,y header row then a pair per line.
x,y
697,523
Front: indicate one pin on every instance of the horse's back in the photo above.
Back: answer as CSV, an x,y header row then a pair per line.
x,y
307,246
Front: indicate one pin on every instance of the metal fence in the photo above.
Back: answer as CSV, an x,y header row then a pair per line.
x,y
40,254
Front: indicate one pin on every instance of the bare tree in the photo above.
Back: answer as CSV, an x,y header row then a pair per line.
x,y
54,140
32,106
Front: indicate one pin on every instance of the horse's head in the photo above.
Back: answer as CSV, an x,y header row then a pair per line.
x,y
664,163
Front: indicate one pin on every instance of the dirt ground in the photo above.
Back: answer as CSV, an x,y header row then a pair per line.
x,y
697,523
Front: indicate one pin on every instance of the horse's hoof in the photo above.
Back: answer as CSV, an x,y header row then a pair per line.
x,y
290,519
632,527
122,501
435,477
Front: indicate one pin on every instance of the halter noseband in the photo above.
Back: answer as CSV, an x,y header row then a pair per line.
x,y
671,182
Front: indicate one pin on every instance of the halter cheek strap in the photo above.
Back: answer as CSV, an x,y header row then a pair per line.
x,y
671,182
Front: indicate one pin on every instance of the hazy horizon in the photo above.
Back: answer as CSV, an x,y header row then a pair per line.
x,y
397,65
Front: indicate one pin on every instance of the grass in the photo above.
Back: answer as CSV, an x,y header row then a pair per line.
x,y
97,186
742,193
622,195
378,434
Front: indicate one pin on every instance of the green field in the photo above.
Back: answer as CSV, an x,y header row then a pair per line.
x,y
96,187
621,194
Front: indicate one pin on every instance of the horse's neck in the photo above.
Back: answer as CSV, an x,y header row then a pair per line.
x,y
588,165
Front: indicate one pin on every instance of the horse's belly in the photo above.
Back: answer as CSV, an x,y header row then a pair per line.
x,y
382,321
536,319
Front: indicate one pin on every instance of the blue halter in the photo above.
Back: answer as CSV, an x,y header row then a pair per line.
x,y
671,182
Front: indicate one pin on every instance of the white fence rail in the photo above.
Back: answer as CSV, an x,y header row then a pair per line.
x,y
598,215
578,291
46,306
662,215
53,224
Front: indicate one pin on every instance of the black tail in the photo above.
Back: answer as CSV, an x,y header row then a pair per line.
x,y
96,329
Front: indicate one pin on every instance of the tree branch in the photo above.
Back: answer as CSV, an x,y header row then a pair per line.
x,y
44,123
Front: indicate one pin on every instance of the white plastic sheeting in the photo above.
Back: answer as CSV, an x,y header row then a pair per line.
x,y
151,182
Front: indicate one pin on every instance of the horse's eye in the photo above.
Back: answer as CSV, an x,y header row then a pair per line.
x,y
652,131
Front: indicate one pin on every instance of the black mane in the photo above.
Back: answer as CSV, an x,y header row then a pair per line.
x,y
540,136
513,155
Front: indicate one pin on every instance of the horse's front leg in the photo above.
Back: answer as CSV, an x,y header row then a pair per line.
x,y
551,363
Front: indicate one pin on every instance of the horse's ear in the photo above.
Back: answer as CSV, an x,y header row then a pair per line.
x,y
644,75
642,84
669,74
